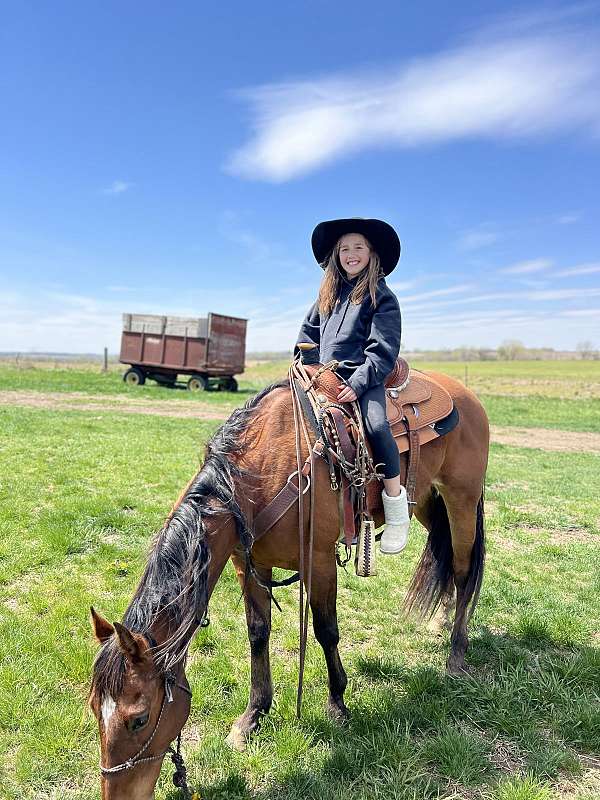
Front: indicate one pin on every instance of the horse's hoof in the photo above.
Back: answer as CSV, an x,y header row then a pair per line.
x,y
338,712
237,739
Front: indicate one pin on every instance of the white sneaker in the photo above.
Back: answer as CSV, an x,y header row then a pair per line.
x,y
397,523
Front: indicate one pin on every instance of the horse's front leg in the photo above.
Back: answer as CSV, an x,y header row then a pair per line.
x,y
258,618
323,605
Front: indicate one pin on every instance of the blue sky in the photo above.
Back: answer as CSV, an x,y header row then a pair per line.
x,y
175,159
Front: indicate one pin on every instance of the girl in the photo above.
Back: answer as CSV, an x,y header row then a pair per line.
x,y
356,321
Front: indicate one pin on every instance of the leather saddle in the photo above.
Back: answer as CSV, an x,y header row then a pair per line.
x,y
414,401
418,409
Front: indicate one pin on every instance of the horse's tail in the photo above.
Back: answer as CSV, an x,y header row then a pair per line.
x,y
433,581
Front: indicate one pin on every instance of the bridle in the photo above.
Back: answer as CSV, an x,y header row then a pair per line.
x,y
180,775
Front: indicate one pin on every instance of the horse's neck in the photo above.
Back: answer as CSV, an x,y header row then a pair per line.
x,y
270,455
220,539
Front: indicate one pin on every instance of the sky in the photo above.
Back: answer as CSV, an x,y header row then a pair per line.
x,y
175,158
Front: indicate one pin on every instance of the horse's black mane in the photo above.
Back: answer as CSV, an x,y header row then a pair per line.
x,y
174,583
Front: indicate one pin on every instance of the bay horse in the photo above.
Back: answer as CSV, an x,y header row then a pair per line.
x,y
140,694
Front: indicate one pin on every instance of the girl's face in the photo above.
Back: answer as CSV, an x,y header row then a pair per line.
x,y
354,253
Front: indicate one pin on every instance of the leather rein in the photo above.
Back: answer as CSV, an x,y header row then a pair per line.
x,y
353,464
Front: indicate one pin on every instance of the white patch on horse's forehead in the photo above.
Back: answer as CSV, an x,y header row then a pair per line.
x,y
107,709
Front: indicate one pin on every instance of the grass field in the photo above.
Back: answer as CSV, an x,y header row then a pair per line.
x,y
82,491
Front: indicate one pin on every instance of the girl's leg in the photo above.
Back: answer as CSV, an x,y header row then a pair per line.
x,y
385,454
392,486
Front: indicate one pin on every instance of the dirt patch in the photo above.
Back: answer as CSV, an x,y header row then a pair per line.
x,y
570,535
547,439
538,438
585,786
78,401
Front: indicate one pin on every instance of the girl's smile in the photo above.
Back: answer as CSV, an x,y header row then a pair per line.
x,y
354,253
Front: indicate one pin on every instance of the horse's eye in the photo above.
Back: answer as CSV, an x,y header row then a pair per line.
x,y
137,723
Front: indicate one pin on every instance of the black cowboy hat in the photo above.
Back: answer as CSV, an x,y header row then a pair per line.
x,y
382,236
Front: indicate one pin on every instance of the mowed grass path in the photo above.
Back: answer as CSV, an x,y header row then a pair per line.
x,y
81,494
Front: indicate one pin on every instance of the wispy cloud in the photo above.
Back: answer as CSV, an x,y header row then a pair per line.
x,y
402,286
564,294
526,267
414,298
582,269
118,187
477,238
569,219
582,312
497,86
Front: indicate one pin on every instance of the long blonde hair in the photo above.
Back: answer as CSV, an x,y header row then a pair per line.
x,y
331,284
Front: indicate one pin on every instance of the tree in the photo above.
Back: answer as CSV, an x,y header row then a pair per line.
x,y
511,350
587,349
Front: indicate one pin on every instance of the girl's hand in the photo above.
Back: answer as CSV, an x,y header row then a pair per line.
x,y
347,395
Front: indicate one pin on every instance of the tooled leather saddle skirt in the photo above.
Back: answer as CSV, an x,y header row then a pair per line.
x,y
414,401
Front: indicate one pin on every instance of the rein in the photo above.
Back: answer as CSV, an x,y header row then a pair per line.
x,y
349,459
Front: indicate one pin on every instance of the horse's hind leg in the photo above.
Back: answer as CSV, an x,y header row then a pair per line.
x,y
466,523
325,625
258,618
443,616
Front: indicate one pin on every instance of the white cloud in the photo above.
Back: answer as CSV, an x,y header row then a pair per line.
x,y
401,286
526,267
569,219
563,294
465,287
118,187
488,328
582,312
59,321
498,86
477,238
582,269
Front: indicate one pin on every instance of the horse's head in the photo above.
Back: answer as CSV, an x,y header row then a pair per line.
x,y
140,710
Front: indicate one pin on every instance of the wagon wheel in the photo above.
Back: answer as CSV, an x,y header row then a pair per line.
x,y
134,377
230,385
197,383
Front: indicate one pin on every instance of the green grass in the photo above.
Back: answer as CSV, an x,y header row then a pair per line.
x,y
527,404
90,380
543,412
81,494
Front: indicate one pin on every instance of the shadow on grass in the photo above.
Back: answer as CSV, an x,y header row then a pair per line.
x,y
526,707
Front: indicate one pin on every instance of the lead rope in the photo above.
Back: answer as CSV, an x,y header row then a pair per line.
x,y
180,774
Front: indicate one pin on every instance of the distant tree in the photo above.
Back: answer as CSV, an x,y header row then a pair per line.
x,y
587,349
511,350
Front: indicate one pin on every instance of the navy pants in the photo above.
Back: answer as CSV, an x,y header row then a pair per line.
x,y
377,428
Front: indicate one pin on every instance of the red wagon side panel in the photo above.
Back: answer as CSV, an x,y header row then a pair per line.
x,y
227,344
220,348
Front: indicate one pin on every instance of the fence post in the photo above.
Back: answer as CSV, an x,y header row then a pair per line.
x,y
466,375
105,361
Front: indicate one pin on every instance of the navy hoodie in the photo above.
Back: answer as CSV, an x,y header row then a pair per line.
x,y
365,340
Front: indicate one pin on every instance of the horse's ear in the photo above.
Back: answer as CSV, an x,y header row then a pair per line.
x,y
103,630
133,647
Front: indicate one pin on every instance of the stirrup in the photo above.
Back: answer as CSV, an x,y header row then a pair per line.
x,y
364,563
